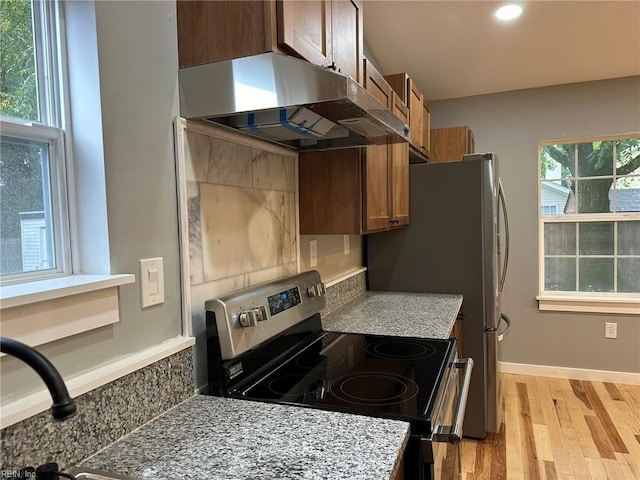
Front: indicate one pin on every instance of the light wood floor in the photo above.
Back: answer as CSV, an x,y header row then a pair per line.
x,y
560,429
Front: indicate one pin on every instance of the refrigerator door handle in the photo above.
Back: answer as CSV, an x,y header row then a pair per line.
x,y
507,320
503,201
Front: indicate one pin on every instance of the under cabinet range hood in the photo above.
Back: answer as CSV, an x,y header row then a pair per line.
x,y
289,101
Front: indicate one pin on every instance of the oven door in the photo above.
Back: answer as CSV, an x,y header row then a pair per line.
x,y
444,448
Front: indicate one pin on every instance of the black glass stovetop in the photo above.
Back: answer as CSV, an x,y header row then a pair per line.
x,y
394,377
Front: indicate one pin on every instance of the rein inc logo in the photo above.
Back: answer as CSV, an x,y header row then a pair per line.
x,y
18,474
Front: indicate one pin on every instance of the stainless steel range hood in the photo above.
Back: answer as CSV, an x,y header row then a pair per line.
x,y
288,101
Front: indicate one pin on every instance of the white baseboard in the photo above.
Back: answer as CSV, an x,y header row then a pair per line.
x,y
570,373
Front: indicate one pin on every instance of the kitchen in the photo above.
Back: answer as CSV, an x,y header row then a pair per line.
x,y
137,54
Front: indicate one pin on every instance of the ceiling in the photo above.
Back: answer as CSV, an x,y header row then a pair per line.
x,y
457,48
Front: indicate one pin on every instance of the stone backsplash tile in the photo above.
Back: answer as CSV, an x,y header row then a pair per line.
x,y
104,415
345,291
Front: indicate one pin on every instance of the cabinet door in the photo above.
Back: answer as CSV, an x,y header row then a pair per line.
x,y
415,114
399,171
376,194
450,144
375,84
426,130
304,27
347,37
330,192
215,31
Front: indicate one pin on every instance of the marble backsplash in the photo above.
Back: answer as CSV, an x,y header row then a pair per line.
x,y
241,216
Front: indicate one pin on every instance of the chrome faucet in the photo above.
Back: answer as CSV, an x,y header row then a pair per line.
x,y
64,406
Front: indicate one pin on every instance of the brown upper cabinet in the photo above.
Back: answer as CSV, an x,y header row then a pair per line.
x,y
326,32
450,144
357,190
419,116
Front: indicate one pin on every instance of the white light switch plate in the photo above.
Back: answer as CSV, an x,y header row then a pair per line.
x,y
151,282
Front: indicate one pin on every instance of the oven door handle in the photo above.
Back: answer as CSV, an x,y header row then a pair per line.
x,y
453,433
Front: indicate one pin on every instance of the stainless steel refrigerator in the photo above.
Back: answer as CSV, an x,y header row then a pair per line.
x,y
456,242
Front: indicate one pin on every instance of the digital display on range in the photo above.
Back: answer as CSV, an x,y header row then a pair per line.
x,y
284,300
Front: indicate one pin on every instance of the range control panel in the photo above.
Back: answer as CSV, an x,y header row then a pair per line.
x,y
249,317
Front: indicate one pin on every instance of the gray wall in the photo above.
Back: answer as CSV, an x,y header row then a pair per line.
x,y
511,124
137,55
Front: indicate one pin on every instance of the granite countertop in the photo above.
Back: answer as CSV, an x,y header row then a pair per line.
x,y
230,439
425,315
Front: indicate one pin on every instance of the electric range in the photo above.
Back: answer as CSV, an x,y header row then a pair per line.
x,y
266,343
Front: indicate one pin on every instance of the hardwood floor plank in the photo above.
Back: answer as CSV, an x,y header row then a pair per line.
x,y
550,470
614,393
599,437
629,465
527,427
543,444
556,444
498,455
614,470
579,392
535,407
469,455
596,469
603,415
578,461
582,432
513,437
560,407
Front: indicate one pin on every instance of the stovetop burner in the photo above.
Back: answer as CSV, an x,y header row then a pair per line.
x,y
368,374
374,389
400,348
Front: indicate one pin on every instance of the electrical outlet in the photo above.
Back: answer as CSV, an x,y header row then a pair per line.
x,y
610,330
313,253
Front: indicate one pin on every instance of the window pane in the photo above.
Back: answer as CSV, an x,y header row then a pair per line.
x,y
26,233
596,274
18,94
629,275
560,239
595,159
557,161
626,196
596,238
593,195
556,198
626,151
560,274
629,238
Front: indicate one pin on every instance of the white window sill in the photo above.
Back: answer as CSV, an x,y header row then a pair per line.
x,y
42,290
40,312
619,304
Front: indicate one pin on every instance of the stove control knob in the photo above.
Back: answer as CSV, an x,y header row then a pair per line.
x,y
248,318
260,314
317,290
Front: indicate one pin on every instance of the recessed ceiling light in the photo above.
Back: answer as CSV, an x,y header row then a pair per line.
x,y
508,12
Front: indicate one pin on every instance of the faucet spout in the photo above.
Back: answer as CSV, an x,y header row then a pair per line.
x,y
64,406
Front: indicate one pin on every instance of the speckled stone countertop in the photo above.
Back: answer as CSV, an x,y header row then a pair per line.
x,y
425,315
229,439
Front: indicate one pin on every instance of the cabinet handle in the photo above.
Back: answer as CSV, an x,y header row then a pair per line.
x,y
332,66
395,220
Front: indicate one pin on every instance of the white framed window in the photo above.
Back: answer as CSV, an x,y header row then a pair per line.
x,y
35,240
589,248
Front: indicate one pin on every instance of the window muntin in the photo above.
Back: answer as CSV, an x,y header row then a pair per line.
x,y
34,225
592,244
